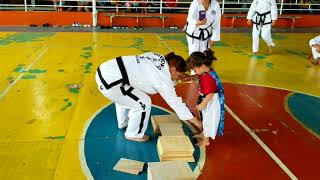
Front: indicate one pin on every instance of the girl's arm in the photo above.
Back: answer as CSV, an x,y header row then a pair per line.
x,y
205,101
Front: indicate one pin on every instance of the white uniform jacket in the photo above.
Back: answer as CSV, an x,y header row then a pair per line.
x,y
212,27
315,40
150,73
263,12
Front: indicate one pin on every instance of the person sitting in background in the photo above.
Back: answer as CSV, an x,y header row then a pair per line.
x,y
171,4
58,5
315,48
137,4
81,5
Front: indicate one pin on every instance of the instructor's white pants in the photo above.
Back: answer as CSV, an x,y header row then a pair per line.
x,y
133,111
315,53
265,31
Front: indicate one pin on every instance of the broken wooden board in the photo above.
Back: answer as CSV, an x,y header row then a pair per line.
x,y
129,166
155,120
171,170
171,129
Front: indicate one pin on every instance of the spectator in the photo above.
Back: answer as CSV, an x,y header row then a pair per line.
x,y
82,4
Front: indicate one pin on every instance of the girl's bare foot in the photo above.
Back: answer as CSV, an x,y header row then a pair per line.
x,y
203,143
143,139
198,136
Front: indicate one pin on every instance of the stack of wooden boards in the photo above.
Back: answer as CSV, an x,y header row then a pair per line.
x,y
173,144
175,150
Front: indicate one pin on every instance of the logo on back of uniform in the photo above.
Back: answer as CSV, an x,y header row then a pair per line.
x,y
158,60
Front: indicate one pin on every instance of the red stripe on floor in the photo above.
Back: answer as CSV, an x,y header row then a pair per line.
x,y
263,109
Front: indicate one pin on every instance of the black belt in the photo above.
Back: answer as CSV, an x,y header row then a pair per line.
x,y
201,97
261,18
124,80
201,35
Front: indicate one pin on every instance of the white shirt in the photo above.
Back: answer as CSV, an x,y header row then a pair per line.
x,y
150,73
315,40
263,6
213,15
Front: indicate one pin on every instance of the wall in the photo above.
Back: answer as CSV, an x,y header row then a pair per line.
x,y
67,18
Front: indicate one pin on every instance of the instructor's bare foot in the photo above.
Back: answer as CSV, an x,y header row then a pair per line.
x,y
315,61
143,139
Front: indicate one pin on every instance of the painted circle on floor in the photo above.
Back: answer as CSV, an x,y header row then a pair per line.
x,y
105,144
306,109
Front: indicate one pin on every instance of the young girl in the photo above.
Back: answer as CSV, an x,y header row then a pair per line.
x,y
211,100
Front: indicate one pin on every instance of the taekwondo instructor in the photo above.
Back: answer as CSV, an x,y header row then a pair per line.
x,y
128,80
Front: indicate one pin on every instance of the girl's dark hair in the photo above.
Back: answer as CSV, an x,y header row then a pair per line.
x,y
196,59
176,61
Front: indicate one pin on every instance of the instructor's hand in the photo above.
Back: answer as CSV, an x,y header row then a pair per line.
x,y
249,22
273,22
196,122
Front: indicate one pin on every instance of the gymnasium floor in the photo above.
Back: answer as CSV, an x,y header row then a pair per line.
x,y
54,124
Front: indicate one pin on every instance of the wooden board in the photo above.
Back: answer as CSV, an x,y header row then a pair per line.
x,y
171,170
175,144
155,120
188,157
171,129
185,159
129,166
173,153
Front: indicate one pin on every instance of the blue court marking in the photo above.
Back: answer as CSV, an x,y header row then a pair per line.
x,y
306,109
105,144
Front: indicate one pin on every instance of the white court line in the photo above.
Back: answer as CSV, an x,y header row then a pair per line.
x,y
262,144
20,76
